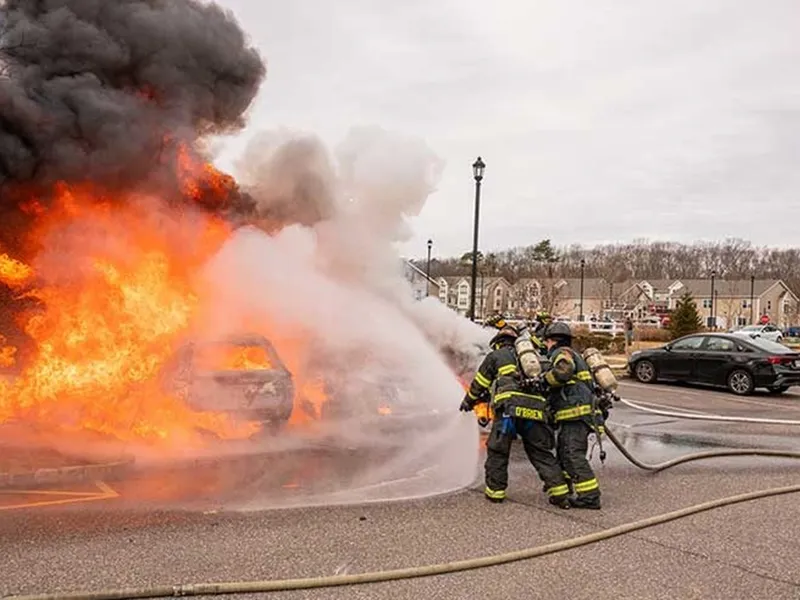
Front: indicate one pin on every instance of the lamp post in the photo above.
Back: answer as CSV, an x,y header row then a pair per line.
x,y
428,270
752,299
713,320
477,172
583,267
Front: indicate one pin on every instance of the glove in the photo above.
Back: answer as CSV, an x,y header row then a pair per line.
x,y
604,404
467,404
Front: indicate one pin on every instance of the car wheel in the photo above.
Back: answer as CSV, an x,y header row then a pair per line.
x,y
740,382
778,390
645,371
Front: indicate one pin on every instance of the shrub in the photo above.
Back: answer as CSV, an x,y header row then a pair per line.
x,y
685,319
582,340
653,334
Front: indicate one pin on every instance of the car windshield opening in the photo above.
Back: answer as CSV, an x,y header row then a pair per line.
x,y
232,357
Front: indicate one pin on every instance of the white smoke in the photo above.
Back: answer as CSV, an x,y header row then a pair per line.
x,y
327,282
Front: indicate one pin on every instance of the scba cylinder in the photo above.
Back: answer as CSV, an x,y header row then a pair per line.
x,y
528,355
602,373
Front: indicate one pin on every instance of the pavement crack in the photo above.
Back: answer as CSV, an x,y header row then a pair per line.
x,y
565,515
695,554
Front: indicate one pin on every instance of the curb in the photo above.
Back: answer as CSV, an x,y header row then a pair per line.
x,y
71,474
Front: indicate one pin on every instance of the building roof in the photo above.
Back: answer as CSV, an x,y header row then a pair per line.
x,y
659,285
592,288
736,288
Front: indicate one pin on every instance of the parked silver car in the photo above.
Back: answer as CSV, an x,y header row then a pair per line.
x,y
766,332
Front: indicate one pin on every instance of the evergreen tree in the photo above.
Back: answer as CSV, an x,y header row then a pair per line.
x,y
685,319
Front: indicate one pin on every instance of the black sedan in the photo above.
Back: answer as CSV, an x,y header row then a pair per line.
x,y
739,364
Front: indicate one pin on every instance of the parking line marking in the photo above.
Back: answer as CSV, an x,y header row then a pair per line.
x,y
106,493
714,394
46,493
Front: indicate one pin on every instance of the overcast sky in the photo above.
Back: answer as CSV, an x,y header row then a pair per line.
x,y
598,121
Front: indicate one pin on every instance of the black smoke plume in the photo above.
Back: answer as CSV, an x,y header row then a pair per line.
x,y
106,90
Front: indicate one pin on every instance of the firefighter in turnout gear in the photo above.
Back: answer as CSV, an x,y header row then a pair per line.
x,y
537,328
541,322
574,412
517,412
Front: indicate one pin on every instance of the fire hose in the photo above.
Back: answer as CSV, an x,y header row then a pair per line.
x,y
282,585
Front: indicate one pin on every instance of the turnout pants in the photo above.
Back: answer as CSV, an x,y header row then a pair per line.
x,y
538,441
573,444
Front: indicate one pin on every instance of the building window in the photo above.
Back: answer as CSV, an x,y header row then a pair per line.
x,y
745,303
707,303
741,321
769,304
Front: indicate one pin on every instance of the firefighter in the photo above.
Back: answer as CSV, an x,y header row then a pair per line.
x,y
572,407
516,412
540,323
541,320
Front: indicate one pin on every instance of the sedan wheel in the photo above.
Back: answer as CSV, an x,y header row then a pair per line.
x,y
740,382
645,371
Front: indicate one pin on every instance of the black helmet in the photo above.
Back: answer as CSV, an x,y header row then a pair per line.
x,y
558,330
507,333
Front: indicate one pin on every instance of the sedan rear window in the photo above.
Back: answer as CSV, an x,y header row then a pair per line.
x,y
769,346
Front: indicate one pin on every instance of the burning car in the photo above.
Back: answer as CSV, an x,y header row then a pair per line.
x,y
242,376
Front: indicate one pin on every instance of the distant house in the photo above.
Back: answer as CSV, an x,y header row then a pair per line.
x,y
733,305
566,296
732,301
492,295
525,298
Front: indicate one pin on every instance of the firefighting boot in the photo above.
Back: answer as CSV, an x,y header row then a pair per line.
x,y
560,502
589,503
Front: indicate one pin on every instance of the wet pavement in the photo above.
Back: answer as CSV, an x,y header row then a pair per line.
x,y
174,525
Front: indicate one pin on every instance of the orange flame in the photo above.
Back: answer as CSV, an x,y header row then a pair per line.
x,y
225,357
13,272
197,178
7,354
108,328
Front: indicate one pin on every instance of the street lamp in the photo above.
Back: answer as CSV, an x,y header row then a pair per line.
x,y
752,299
477,172
428,270
713,320
583,266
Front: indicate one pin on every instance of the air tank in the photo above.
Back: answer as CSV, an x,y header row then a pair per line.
x,y
602,373
528,354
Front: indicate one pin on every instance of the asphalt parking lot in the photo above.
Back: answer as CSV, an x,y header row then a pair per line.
x,y
747,550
